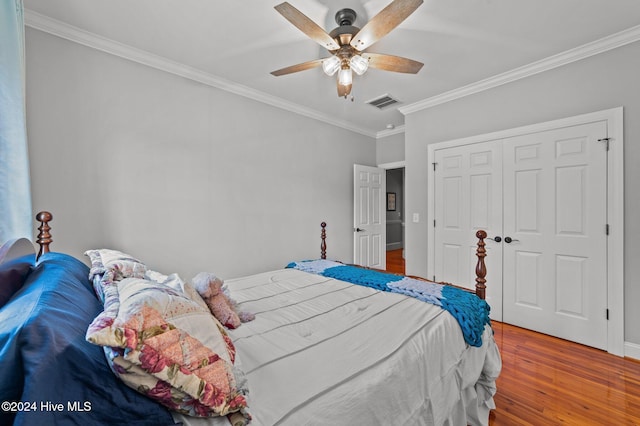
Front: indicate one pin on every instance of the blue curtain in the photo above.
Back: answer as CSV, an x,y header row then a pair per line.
x,y
15,193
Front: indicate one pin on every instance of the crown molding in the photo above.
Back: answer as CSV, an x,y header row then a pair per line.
x,y
69,32
604,44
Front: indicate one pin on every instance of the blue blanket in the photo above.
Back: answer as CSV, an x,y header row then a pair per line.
x,y
471,312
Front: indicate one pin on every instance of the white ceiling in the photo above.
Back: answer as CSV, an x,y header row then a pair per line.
x,y
235,45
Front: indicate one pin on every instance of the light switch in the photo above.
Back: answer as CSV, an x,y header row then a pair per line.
x,y
416,217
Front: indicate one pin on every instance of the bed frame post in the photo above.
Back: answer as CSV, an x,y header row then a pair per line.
x,y
44,237
481,268
323,244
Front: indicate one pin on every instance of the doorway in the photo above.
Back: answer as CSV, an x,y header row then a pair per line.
x,y
395,220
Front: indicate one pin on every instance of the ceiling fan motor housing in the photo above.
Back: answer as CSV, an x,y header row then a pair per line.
x,y
345,32
346,17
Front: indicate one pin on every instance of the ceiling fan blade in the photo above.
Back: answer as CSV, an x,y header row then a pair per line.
x,y
299,67
385,21
307,26
393,63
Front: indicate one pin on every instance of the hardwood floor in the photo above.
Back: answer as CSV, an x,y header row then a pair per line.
x,y
395,261
550,381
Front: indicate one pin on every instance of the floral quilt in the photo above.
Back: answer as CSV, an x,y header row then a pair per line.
x,y
161,340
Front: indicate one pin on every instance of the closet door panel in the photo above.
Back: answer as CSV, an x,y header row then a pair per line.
x,y
555,212
468,197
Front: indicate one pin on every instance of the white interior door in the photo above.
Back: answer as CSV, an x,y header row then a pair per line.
x,y
369,228
555,214
468,197
545,195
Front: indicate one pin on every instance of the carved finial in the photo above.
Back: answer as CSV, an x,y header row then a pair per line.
x,y
481,269
44,237
323,244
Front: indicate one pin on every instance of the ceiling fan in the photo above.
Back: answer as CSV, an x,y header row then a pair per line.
x,y
347,43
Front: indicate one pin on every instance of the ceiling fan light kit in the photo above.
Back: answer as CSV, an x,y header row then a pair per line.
x,y
345,77
359,64
331,65
346,43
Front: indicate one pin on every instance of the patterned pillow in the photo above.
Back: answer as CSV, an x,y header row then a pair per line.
x,y
168,346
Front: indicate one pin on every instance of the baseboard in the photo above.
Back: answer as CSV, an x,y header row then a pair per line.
x,y
632,350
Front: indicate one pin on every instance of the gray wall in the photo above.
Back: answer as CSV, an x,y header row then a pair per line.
x,y
390,149
187,177
605,81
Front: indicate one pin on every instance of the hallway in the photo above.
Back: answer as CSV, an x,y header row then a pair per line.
x,y
395,261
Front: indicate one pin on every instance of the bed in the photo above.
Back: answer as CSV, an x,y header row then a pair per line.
x,y
331,344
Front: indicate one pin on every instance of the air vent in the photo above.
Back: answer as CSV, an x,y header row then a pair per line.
x,y
383,101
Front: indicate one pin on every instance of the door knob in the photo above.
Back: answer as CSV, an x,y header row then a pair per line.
x,y
497,239
360,230
509,240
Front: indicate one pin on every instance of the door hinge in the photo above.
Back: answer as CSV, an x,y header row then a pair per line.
x,y
607,314
434,166
606,141
434,223
434,278
606,229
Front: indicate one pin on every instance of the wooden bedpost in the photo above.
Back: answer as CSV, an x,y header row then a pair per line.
x,y
323,244
44,237
481,269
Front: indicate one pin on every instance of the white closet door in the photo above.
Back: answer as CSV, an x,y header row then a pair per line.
x,y
468,197
555,206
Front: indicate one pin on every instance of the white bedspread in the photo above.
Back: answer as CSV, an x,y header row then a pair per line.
x,y
325,352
